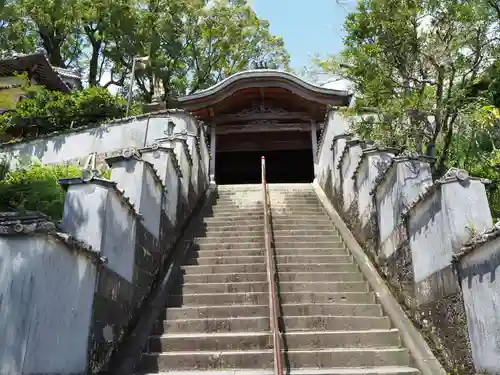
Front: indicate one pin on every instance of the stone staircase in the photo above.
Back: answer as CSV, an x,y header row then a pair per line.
x,y
217,319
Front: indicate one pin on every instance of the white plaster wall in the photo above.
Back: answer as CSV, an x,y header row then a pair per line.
x,y
85,213
337,153
46,295
172,186
119,237
467,210
336,124
124,134
480,277
80,144
159,159
128,174
430,245
205,152
182,157
444,222
403,184
372,166
349,164
151,200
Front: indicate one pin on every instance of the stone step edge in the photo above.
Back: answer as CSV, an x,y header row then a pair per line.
x,y
266,351
261,306
216,335
235,318
281,282
385,370
263,264
262,293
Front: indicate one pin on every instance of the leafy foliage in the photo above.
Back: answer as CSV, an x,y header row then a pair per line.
x,y
191,43
36,189
427,78
52,110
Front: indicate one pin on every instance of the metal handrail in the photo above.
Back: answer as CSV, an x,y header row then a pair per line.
x,y
274,310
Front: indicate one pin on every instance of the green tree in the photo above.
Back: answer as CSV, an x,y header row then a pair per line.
x,y
414,62
190,44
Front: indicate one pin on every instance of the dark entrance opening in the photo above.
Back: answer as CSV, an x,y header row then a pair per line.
x,y
243,167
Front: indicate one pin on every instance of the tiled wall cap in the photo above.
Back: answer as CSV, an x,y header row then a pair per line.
x,y
478,240
164,112
156,147
340,136
373,150
22,223
452,175
65,182
400,159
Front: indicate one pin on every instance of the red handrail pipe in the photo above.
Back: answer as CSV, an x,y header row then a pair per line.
x,y
274,311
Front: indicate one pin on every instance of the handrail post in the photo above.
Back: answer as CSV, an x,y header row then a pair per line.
x,y
274,310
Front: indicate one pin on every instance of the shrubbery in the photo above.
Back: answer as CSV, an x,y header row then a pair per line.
x,y
50,111
37,189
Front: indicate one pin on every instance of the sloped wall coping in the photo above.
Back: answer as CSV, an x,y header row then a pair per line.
x,y
65,182
373,150
175,138
396,160
453,175
478,240
97,125
129,153
340,136
348,145
155,147
30,223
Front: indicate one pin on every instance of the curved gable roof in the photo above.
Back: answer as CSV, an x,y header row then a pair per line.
x,y
262,77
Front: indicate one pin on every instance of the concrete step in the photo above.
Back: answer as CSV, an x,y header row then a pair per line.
x,y
309,252
202,253
210,341
238,287
314,297
315,220
212,325
379,370
296,207
323,286
262,340
246,230
224,299
335,323
192,360
294,225
235,311
232,243
240,221
348,357
228,278
283,259
233,238
288,243
375,338
332,309
282,237
225,260
295,231
320,276
263,359
257,211
229,268
317,267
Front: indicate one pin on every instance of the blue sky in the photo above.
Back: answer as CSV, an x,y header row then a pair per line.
x,y
308,27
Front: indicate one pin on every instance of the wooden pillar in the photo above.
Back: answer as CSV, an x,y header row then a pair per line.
x,y
314,140
212,153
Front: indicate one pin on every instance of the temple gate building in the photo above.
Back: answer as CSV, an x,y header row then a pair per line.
x,y
263,113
